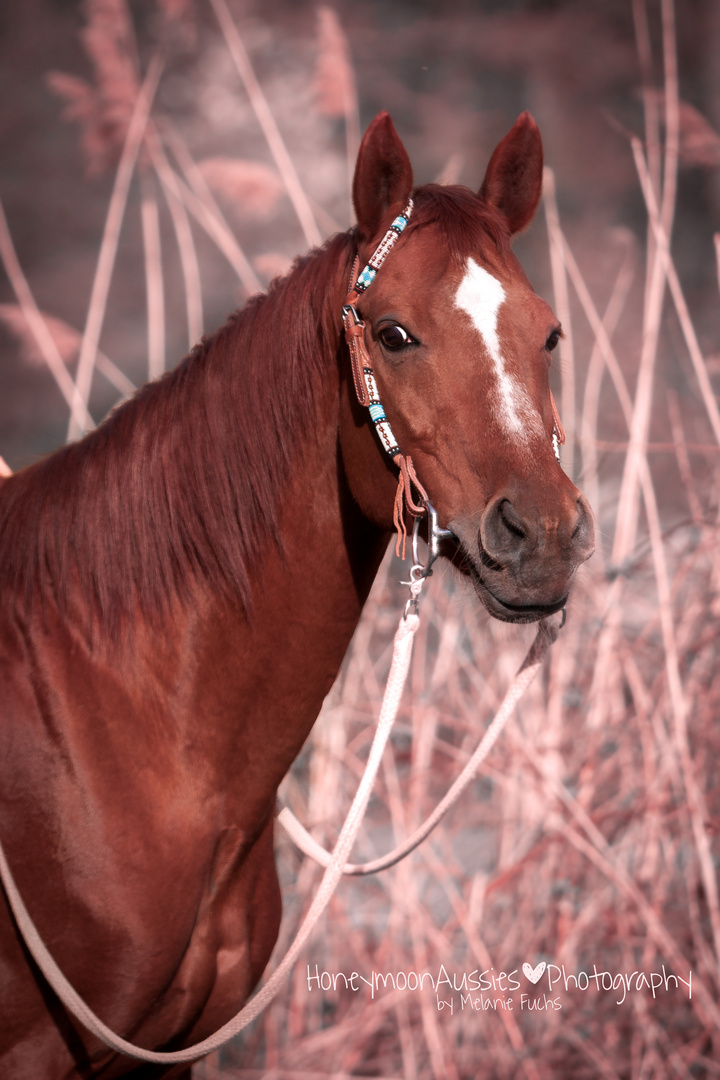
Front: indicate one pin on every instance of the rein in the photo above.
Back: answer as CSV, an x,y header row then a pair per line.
x,y
336,862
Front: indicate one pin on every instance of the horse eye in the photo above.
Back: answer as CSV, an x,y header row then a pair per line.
x,y
552,340
393,337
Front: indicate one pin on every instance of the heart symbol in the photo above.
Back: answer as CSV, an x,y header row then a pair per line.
x,y
534,974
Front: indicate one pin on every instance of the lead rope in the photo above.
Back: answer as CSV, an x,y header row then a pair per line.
x,y
530,666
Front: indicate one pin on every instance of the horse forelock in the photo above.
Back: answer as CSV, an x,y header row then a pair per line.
x,y
467,223
184,481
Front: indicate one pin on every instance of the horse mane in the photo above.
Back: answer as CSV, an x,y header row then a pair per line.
x,y
183,481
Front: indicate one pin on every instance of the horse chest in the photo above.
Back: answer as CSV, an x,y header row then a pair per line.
x,y
161,916
137,802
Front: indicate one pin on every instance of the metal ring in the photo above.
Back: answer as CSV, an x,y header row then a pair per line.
x,y
435,534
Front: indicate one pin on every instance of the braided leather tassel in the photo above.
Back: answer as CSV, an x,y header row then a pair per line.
x,y
404,500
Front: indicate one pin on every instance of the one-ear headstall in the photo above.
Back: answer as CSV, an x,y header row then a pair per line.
x,y
366,385
367,391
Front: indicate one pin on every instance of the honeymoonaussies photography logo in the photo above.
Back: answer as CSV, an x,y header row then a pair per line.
x,y
539,987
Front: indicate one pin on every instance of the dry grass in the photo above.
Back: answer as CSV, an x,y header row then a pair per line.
x,y
588,840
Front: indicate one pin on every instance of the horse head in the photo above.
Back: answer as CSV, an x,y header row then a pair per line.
x,y
460,349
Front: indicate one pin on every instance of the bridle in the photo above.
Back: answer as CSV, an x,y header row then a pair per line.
x,y
366,390
368,395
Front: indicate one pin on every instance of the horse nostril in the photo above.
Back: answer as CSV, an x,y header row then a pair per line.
x,y
584,532
510,519
581,518
503,532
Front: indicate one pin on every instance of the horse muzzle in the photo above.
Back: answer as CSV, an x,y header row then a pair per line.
x,y
522,558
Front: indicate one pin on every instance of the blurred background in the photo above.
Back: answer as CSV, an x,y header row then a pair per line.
x,y
164,160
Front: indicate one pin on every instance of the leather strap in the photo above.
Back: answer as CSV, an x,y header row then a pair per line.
x,y
355,338
359,359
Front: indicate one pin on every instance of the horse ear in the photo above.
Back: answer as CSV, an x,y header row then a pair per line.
x,y
383,176
513,181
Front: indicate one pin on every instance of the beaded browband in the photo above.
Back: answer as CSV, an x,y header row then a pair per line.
x,y
366,386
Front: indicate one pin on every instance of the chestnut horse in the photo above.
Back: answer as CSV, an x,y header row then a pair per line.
x,y
180,586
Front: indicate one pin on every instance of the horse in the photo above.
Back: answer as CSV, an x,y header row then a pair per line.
x,y
180,586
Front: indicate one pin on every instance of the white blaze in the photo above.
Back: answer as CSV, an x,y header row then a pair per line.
x,y
480,296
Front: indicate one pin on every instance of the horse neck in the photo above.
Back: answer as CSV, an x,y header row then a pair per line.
x,y
206,535
309,556
272,382
259,406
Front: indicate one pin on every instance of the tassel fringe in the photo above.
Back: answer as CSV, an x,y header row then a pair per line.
x,y
404,500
